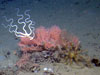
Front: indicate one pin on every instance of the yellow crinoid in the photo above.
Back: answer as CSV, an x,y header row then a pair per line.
x,y
73,54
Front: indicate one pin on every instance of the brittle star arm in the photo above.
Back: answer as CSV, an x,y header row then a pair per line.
x,y
15,30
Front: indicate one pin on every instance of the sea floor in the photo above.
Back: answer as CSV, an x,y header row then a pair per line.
x,y
58,69
80,18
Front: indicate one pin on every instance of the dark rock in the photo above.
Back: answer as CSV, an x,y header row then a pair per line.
x,y
96,62
8,53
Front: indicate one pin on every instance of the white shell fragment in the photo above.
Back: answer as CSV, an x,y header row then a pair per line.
x,y
45,69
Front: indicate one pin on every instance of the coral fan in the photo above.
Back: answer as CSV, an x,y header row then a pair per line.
x,y
47,38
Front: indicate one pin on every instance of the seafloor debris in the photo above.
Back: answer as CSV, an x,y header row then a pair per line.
x,y
8,71
35,68
48,71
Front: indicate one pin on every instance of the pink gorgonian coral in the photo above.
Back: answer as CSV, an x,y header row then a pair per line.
x,y
48,38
